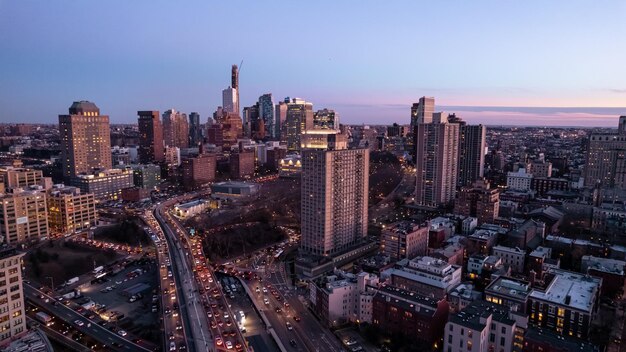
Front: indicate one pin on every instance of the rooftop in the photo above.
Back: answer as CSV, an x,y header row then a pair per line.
x,y
510,287
34,341
475,315
570,289
606,265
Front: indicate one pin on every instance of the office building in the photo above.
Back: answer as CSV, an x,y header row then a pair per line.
x,y
106,184
69,210
471,153
19,177
566,302
479,201
422,112
280,114
299,120
427,276
147,176
326,119
519,181
541,168
334,190
199,170
484,326
509,292
85,139
175,129
12,314
514,257
195,130
267,115
606,159
151,149
404,239
232,129
436,163
242,164
234,82
23,217
229,100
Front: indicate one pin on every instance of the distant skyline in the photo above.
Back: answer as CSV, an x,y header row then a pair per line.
x,y
513,63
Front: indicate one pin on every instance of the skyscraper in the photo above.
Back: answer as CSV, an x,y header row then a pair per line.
x,y
175,129
250,120
150,137
606,159
85,139
234,82
266,113
471,153
334,199
229,100
478,200
195,131
422,112
437,152
299,119
326,119
281,115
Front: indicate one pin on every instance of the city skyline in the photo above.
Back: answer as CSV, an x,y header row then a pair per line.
x,y
533,60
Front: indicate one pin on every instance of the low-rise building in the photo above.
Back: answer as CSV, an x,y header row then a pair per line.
x,y
404,239
69,210
510,292
427,276
566,302
106,184
233,189
610,270
290,166
242,164
195,207
462,295
519,181
545,340
484,326
513,257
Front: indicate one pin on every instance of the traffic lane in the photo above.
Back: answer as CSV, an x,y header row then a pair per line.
x,y
69,316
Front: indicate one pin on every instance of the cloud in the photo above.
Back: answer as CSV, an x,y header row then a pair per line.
x,y
618,91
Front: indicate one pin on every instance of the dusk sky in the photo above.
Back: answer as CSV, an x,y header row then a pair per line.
x,y
368,60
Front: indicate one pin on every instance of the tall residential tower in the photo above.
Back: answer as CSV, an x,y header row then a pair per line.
x,y
150,137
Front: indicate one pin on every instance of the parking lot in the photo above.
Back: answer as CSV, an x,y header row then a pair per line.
x,y
137,316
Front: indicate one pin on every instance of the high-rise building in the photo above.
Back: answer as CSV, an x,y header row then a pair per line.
x,y
606,159
326,119
405,240
150,137
195,130
234,82
280,116
19,177
229,100
250,120
23,217
479,201
13,314
69,210
146,176
106,184
267,114
422,112
334,200
232,129
175,129
299,119
85,139
436,163
471,153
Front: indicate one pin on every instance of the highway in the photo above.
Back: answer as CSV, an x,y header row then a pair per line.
x,y
90,327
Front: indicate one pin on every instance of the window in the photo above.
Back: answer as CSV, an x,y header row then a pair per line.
x,y
462,331
492,337
449,338
502,341
451,327
504,329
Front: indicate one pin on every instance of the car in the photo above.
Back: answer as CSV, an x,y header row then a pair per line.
x,y
293,343
278,310
238,347
257,290
356,348
296,318
122,333
218,341
225,315
264,290
289,327
172,346
266,301
179,326
79,322
172,336
229,345
349,342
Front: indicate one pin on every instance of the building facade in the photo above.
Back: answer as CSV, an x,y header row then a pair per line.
x,y
151,149
105,185
479,201
199,170
404,239
175,129
299,119
12,304
85,139
69,210
472,144
23,217
606,159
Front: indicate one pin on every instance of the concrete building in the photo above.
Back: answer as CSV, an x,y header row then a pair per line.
x,y
172,156
23,217
610,270
231,129
472,144
541,168
343,297
404,239
566,302
69,210
484,326
606,159
462,295
299,119
422,112
175,129
509,292
12,314
519,181
85,139
280,113
230,102
19,177
544,340
436,163
199,170
151,142
242,164
334,200
514,257
195,207
478,200
233,190
427,276
195,129
409,313
105,185
267,114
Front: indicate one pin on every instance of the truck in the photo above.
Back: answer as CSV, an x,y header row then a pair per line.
x,y
98,269
44,318
71,281
71,294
